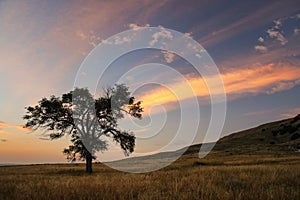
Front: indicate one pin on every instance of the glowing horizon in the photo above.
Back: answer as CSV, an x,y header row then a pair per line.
x,y
43,45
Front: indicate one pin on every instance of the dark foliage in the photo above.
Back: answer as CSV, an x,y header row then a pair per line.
x,y
87,120
295,136
295,119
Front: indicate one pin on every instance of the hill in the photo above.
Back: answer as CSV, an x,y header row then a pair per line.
x,y
259,163
275,137
279,139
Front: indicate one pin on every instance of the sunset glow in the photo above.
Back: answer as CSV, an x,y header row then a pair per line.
x,y
267,79
255,47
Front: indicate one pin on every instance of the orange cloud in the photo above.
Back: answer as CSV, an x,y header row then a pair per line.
x,y
19,127
263,79
260,79
290,113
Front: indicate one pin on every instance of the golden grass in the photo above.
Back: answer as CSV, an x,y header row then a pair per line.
x,y
236,177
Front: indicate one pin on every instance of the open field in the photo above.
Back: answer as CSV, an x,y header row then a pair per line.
x,y
259,163
231,177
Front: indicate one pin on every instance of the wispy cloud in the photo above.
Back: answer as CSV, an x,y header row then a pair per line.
x,y
296,31
14,126
135,27
277,35
257,18
261,39
290,113
256,113
163,34
276,31
168,56
90,37
283,85
43,49
119,40
266,79
278,23
296,16
259,79
274,55
261,48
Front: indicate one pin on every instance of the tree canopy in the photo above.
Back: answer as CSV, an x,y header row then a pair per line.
x,y
87,120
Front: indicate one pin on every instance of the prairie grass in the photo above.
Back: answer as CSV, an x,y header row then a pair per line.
x,y
231,177
259,163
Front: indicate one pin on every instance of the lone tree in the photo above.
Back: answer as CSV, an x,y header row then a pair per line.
x,y
87,120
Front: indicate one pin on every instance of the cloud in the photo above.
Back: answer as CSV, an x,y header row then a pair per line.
x,y
189,34
290,113
266,79
296,31
284,85
274,55
43,50
161,35
135,27
259,79
3,124
261,48
277,35
274,32
278,23
48,47
168,56
257,113
14,126
90,37
261,39
296,16
259,17
119,41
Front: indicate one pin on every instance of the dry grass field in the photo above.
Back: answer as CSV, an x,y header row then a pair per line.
x,y
231,177
260,163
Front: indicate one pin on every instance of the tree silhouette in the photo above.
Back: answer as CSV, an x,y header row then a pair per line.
x,y
87,120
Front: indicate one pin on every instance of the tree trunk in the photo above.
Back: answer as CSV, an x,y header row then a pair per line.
x,y
88,162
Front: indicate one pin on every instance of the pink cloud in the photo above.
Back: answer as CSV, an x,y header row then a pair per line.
x,y
277,35
168,56
266,79
290,113
261,48
4,125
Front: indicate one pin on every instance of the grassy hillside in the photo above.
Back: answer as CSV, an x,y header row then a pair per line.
x,y
275,139
259,163
282,135
278,137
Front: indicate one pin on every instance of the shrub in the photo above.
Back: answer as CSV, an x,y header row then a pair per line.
x,y
295,136
282,132
292,129
274,132
200,163
296,118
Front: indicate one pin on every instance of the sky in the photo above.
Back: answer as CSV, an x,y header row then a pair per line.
x,y
44,46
